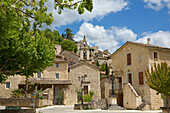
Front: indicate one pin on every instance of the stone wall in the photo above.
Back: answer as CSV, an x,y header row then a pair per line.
x,y
6,93
131,100
92,81
18,111
24,102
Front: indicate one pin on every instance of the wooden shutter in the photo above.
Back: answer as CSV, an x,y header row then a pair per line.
x,y
129,59
141,81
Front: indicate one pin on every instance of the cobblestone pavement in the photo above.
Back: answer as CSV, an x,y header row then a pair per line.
x,y
69,109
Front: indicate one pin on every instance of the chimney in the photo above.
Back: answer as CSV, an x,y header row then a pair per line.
x,y
148,40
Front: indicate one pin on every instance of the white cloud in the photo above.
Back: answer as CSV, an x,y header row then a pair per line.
x,y
105,38
114,37
100,9
157,4
160,38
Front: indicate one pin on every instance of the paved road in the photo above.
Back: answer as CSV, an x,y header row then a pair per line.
x,y
69,109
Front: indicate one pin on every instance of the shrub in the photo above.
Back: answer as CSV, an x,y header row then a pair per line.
x,y
17,93
87,98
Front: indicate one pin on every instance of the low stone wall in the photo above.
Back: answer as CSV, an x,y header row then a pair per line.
x,y
18,111
99,104
95,104
24,102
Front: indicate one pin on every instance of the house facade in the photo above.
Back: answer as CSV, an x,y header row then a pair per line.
x,y
91,81
129,64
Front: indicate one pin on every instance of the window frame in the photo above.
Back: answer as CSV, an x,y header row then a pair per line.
x,y
57,65
139,78
127,59
39,73
57,74
155,59
128,77
6,85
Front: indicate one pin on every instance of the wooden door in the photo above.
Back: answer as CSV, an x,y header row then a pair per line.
x,y
120,82
120,99
56,91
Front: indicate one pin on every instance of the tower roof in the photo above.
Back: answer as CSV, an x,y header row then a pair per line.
x,y
84,39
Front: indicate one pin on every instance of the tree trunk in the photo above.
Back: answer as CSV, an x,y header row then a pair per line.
x,y
167,99
26,89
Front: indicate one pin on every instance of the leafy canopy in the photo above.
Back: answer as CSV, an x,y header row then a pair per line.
x,y
159,78
24,49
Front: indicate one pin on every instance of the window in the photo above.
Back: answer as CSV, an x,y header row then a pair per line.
x,y
129,59
141,81
39,75
155,55
57,65
85,90
130,78
7,85
57,75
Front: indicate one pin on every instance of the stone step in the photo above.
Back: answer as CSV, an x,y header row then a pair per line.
x,y
115,107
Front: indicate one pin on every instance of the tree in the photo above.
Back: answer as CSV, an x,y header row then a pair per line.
x,y
69,45
107,69
69,35
97,63
25,51
158,78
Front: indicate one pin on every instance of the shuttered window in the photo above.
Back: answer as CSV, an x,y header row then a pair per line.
x,y
141,81
129,59
85,90
155,55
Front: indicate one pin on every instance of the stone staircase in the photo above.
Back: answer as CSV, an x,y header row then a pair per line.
x,y
142,105
116,107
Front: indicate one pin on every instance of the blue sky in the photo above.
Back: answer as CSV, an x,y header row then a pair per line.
x,y
113,22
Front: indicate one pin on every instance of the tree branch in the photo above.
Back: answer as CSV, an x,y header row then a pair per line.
x,y
62,4
5,63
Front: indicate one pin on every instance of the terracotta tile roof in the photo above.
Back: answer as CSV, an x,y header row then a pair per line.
x,y
148,45
142,44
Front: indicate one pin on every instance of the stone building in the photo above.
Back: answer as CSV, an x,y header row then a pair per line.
x,y
129,64
59,80
71,57
91,82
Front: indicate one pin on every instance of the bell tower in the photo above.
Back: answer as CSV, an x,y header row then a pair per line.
x,y
84,50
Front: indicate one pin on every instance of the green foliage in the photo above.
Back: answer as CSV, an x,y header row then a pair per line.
x,y
91,93
97,63
102,67
25,51
80,6
107,69
69,35
159,78
69,45
88,97
41,97
102,76
17,93
79,93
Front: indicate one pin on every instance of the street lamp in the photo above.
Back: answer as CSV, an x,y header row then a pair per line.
x,y
82,78
112,79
